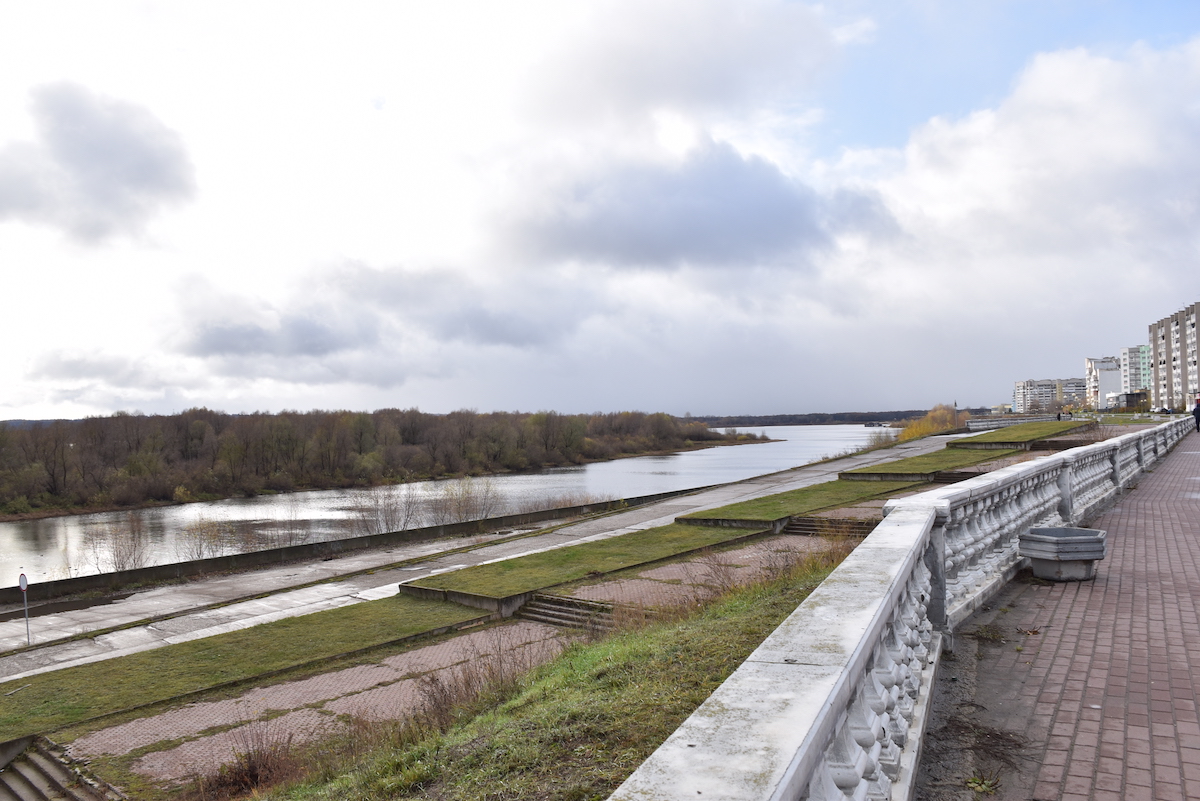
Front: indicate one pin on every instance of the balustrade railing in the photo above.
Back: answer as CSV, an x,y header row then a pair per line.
x,y
832,705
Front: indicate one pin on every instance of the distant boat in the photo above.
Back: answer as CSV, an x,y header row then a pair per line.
x,y
872,425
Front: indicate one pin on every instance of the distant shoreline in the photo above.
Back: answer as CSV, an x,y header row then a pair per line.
x,y
817,418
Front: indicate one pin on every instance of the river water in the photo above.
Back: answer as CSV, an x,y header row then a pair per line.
x,y
61,547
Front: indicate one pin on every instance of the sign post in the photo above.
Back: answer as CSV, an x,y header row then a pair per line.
x,y
25,597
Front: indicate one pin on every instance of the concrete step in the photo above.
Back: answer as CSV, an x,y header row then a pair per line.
x,y
6,793
564,612
33,785
43,773
830,526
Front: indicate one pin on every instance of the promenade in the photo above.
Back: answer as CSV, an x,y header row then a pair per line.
x,y
204,607
1086,690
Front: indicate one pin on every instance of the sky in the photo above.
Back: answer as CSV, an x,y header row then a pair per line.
x,y
691,206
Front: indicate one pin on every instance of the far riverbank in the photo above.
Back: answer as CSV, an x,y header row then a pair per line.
x,y
59,547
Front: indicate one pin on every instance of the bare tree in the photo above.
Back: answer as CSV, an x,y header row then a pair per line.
x,y
203,538
115,546
465,499
386,509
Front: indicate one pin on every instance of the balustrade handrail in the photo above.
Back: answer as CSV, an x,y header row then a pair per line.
x,y
833,704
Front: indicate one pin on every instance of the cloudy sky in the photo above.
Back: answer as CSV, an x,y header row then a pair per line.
x,y
705,206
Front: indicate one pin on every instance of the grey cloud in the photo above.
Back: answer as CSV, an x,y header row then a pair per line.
x,y
521,311
716,208
298,334
99,166
860,211
380,327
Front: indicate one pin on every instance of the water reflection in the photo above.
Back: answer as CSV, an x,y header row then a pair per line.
x,y
82,544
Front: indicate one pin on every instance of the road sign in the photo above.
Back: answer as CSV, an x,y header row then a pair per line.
x,y
24,584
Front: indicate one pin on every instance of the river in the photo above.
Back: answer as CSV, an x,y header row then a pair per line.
x,y
61,547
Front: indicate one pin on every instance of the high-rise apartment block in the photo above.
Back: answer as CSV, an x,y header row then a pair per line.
x,y
1173,381
1047,394
1103,376
1136,373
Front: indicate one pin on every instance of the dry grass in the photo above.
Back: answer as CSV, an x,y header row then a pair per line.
x,y
264,755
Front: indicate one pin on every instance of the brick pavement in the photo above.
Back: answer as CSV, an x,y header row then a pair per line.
x,y
1104,694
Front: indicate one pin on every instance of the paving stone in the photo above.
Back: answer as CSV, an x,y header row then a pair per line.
x,y
1115,670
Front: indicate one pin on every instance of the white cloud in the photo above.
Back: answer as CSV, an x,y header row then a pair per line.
x,y
711,57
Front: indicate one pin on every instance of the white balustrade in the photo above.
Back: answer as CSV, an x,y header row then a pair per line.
x,y
832,705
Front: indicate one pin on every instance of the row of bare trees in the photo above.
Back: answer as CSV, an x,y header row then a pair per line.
x,y
131,459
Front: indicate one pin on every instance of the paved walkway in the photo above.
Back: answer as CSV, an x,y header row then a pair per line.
x,y
204,607
1088,690
196,738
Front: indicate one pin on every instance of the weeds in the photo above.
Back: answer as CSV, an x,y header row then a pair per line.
x,y
264,755
985,785
483,679
987,633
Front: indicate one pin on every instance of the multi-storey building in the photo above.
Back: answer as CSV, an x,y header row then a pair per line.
x,y
1102,376
1173,381
1136,374
1047,394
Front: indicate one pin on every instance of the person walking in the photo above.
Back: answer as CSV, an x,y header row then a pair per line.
x,y
1196,414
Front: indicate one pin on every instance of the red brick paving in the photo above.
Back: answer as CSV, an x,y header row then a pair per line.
x,y
1106,692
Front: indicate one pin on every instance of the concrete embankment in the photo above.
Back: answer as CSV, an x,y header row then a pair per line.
x,y
214,604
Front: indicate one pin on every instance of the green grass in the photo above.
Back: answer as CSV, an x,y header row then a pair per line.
x,y
1024,432
933,462
829,495
577,727
561,565
57,699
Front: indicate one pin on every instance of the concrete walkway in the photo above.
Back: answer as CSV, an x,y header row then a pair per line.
x,y
1089,690
204,607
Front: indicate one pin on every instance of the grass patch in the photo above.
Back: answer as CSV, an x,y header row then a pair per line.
x,y
805,500
575,728
57,699
561,565
1023,432
946,459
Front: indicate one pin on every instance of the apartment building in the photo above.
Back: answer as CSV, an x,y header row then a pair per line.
x,y
1173,381
1136,373
1102,376
1047,394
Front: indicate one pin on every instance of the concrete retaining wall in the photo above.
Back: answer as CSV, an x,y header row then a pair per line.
x,y
507,606
992,423
13,749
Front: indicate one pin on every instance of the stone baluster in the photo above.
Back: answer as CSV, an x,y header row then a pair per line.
x,y
824,787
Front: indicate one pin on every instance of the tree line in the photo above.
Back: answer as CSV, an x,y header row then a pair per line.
x,y
134,459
